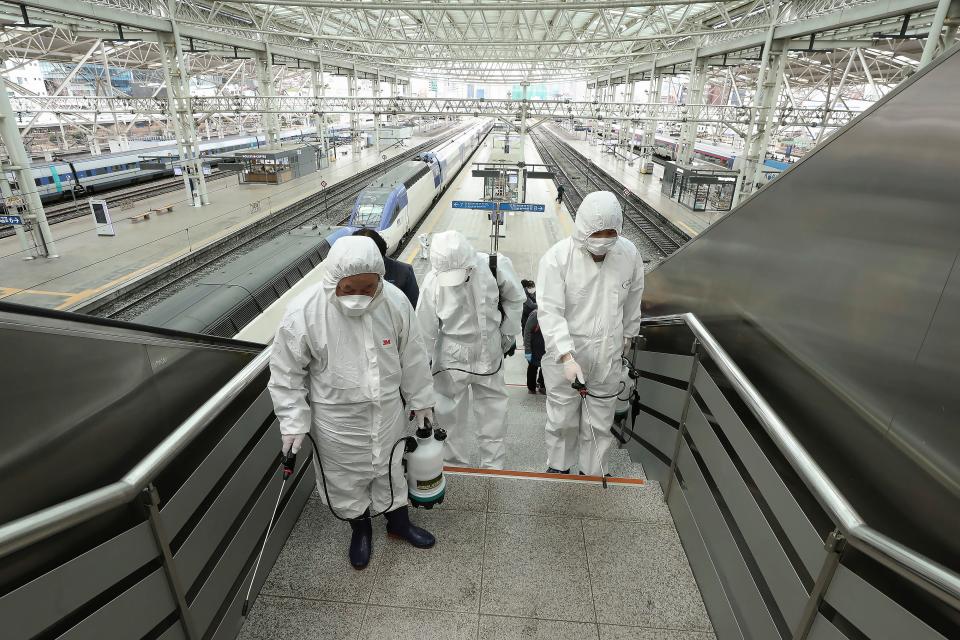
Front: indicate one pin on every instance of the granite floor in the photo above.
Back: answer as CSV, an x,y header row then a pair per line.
x,y
522,559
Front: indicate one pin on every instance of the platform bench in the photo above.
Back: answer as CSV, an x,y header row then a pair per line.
x,y
162,209
140,217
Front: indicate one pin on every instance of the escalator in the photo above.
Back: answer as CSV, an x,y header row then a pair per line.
x,y
138,468
836,290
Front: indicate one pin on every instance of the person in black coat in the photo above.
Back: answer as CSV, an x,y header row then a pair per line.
x,y
397,273
530,303
533,349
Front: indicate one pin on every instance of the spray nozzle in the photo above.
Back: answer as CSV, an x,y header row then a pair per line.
x,y
581,387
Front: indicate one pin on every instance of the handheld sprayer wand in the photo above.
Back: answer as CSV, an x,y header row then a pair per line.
x,y
288,464
581,387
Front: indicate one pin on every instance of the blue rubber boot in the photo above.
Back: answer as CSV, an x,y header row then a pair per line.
x,y
361,542
398,526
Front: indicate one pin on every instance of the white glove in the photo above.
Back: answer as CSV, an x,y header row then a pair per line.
x,y
506,342
422,414
572,371
292,442
627,342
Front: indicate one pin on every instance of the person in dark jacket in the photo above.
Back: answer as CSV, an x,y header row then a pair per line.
x,y
559,193
530,303
398,274
533,349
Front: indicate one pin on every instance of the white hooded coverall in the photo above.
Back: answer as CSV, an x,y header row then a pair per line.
x,y
462,329
586,308
344,374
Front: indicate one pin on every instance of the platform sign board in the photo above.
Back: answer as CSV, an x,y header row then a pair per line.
x,y
475,204
9,219
101,218
522,206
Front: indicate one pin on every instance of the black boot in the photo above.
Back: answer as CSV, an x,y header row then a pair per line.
x,y
361,542
398,526
552,470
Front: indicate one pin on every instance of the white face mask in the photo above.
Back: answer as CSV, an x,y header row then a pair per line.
x,y
599,246
531,290
355,305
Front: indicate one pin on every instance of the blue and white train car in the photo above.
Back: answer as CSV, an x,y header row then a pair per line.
x,y
55,180
395,203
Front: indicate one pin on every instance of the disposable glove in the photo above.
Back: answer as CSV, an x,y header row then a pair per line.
x,y
529,357
292,442
572,371
422,414
627,342
507,344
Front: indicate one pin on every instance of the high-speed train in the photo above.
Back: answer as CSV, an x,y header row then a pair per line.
x,y
55,180
395,203
253,290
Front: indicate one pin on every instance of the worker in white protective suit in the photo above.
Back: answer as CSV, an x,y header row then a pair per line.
x,y
589,290
344,352
469,320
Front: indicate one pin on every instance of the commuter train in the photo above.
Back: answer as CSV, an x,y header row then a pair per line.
x,y
666,148
265,279
395,203
55,180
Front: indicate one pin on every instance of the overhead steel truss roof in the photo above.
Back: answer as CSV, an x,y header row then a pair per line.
x,y
493,40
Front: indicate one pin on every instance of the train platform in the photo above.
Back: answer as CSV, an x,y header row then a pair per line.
x,y
90,265
520,553
646,186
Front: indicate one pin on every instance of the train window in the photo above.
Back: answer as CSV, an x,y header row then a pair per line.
x,y
368,215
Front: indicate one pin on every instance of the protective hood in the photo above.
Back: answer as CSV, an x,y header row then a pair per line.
x,y
599,210
350,256
451,255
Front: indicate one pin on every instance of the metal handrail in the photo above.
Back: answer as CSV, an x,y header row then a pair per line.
x,y
906,562
23,532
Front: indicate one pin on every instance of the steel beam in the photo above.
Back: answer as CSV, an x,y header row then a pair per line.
x,y
110,14
615,111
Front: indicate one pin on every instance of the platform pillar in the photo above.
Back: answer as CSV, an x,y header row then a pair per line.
x,y
30,207
354,118
626,126
522,182
688,131
318,91
177,79
933,43
376,113
650,125
271,121
755,146
108,87
745,177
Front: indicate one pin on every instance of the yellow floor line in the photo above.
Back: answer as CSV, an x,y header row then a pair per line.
x,y
9,291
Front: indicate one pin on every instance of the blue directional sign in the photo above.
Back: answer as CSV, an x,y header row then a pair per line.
x,y
11,220
522,206
502,206
474,204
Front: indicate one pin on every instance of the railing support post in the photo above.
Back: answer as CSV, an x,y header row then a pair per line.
x,y
151,500
682,428
835,544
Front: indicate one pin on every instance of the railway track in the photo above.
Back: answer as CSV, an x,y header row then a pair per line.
x,y
116,198
331,206
657,237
